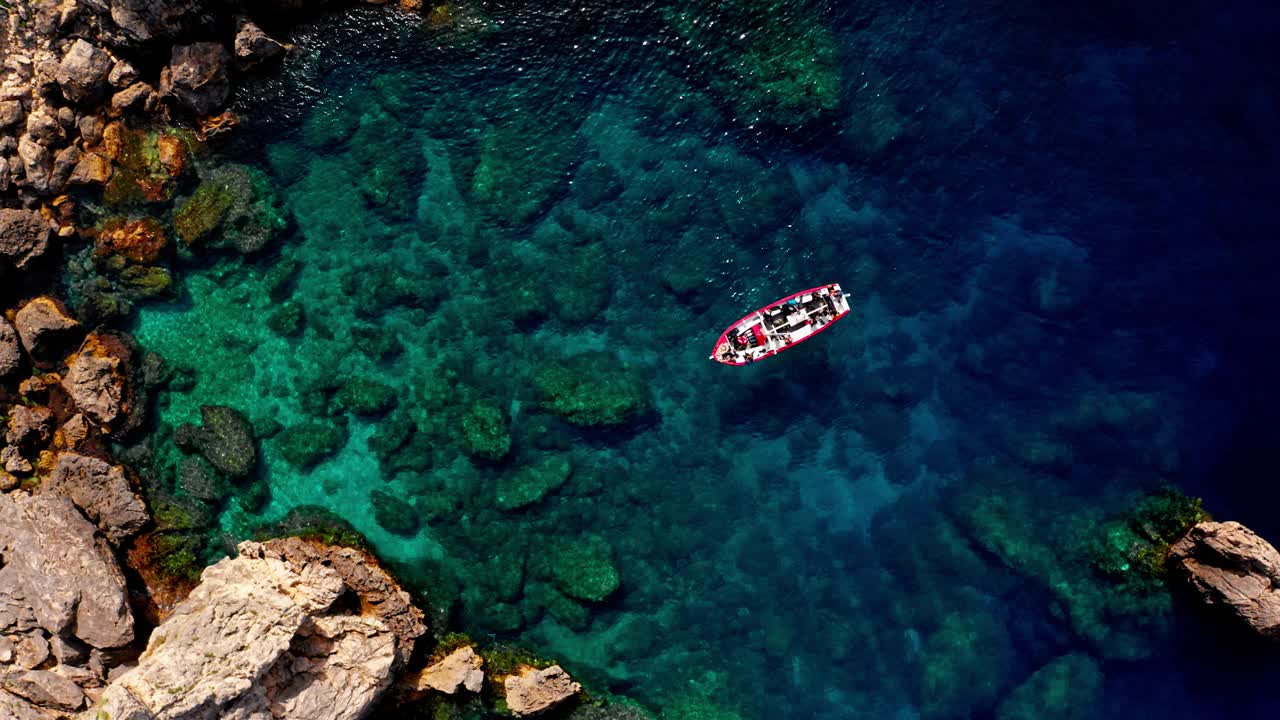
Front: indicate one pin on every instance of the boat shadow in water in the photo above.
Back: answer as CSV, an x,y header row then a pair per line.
x,y
775,394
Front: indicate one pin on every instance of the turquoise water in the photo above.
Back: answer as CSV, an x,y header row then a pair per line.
x,y
482,341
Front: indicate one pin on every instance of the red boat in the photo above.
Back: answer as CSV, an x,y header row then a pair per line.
x,y
781,324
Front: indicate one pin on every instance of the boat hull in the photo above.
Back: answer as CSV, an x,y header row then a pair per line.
x,y
780,325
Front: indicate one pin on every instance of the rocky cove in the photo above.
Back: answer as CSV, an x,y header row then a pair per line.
x,y
166,550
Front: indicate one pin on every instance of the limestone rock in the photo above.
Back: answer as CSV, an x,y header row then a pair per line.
x,y
1232,568
253,46
10,349
36,163
11,113
59,573
24,236
93,169
44,328
377,590
31,651
29,426
262,636
532,691
98,380
102,491
459,669
44,688
82,74
197,77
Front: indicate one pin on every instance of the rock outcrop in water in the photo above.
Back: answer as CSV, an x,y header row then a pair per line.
x,y
285,629
1232,568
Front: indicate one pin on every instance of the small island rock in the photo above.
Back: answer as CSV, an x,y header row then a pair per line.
x,y
1231,567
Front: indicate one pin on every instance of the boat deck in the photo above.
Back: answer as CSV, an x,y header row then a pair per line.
x,y
780,325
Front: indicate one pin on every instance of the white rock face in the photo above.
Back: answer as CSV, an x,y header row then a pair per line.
x,y
259,639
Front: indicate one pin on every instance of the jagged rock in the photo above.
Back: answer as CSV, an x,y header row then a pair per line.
x,y
7,650
1234,569
73,432
31,651
7,481
45,128
63,164
101,490
135,22
82,74
93,169
459,669
44,688
11,113
253,46
36,163
29,426
377,590
44,328
262,636
10,349
532,691
13,462
24,236
123,74
59,573
138,97
197,77
91,127
98,380
225,439
13,707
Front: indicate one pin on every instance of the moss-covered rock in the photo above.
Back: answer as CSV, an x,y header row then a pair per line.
x,y
592,389
145,164
313,522
234,207
531,483
365,396
306,444
1064,689
139,241
583,568
485,433
287,319
525,164
394,514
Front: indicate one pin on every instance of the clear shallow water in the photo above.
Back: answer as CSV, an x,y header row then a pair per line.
x,y
885,521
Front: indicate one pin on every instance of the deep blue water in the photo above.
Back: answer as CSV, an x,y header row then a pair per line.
x,y
1057,227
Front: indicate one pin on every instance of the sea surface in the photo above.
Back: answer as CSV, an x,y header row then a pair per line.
x,y
515,231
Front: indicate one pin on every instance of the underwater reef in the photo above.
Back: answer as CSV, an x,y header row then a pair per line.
x,y
407,308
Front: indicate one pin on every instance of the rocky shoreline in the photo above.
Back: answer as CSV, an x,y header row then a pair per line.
x,y
104,104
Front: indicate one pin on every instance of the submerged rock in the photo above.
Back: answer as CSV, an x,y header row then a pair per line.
x,y
1234,569
264,635
225,439
532,691
59,574
308,443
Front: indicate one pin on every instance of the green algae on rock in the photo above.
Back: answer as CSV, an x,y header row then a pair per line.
x,y
1065,688
583,568
235,206
307,443
485,432
592,389
532,482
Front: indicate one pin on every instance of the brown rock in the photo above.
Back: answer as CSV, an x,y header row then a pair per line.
x,y
172,153
7,483
378,592
93,169
36,164
24,236
123,74
141,241
459,669
45,328
44,689
63,164
45,128
253,46
72,434
10,349
82,74
13,462
29,426
101,490
138,97
1234,569
531,691
98,380
196,77
11,113
90,127
31,651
